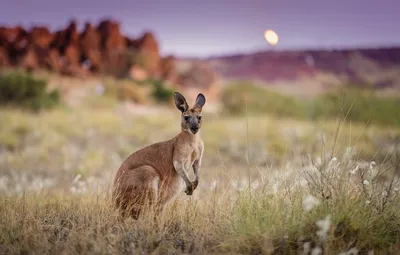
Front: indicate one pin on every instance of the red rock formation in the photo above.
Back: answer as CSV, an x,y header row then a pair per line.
x,y
29,60
72,56
111,37
52,60
3,57
11,35
168,68
96,49
113,44
15,42
90,46
67,37
148,51
40,37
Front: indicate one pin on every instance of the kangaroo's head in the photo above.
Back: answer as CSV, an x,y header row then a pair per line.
x,y
190,118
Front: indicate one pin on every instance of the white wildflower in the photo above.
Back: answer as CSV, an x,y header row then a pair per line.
x,y
306,247
366,182
4,183
274,188
309,202
238,185
371,165
316,251
353,171
255,185
73,189
367,202
333,161
213,185
323,226
77,178
353,251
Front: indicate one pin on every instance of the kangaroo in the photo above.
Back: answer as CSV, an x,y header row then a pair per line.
x,y
155,174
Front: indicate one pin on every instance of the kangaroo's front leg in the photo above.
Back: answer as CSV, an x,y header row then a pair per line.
x,y
196,167
180,168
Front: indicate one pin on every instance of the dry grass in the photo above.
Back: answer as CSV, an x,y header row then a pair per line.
x,y
268,185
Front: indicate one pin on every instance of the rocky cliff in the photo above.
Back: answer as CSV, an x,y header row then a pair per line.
x,y
101,48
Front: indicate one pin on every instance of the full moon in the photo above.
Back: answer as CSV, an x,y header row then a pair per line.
x,y
271,37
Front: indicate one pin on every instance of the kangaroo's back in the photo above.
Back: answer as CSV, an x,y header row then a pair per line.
x,y
157,155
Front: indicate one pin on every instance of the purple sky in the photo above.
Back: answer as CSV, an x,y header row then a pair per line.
x,y
208,27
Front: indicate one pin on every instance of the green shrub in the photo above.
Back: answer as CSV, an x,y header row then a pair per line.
x,y
160,92
244,97
22,89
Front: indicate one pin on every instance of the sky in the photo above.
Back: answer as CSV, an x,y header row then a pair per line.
x,y
212,27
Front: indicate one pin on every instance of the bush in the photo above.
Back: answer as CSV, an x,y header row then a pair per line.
x,y
22,89
242,97
160,92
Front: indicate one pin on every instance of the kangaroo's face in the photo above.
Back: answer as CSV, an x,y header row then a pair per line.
x,y
190,118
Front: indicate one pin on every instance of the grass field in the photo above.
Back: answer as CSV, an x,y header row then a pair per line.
x,y
268,185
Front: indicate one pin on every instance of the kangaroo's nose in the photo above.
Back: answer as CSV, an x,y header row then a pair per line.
x,y
194,128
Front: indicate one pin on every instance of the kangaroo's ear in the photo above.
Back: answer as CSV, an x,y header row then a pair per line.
x,y
200,101
180,102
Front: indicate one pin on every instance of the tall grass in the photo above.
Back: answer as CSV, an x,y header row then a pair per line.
x,y
335,203
291,218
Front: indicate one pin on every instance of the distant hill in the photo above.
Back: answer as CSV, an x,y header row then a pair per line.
x,y
377,67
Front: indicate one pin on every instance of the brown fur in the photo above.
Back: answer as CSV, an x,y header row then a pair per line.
x,y
153,175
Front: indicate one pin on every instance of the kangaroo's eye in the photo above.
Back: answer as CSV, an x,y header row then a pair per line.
x,y
199,117
186,117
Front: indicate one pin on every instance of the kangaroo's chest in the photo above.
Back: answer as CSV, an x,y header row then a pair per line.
x,y
189,155
195,154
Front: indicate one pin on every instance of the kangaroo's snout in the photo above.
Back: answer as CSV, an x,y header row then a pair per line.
x,y
194,128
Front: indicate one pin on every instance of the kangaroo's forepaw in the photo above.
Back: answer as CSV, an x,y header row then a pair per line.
x,y
189,189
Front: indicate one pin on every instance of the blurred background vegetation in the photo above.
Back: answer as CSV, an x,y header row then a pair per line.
x,y
356,104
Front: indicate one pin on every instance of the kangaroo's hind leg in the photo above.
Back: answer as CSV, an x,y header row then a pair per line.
x,y
137,188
